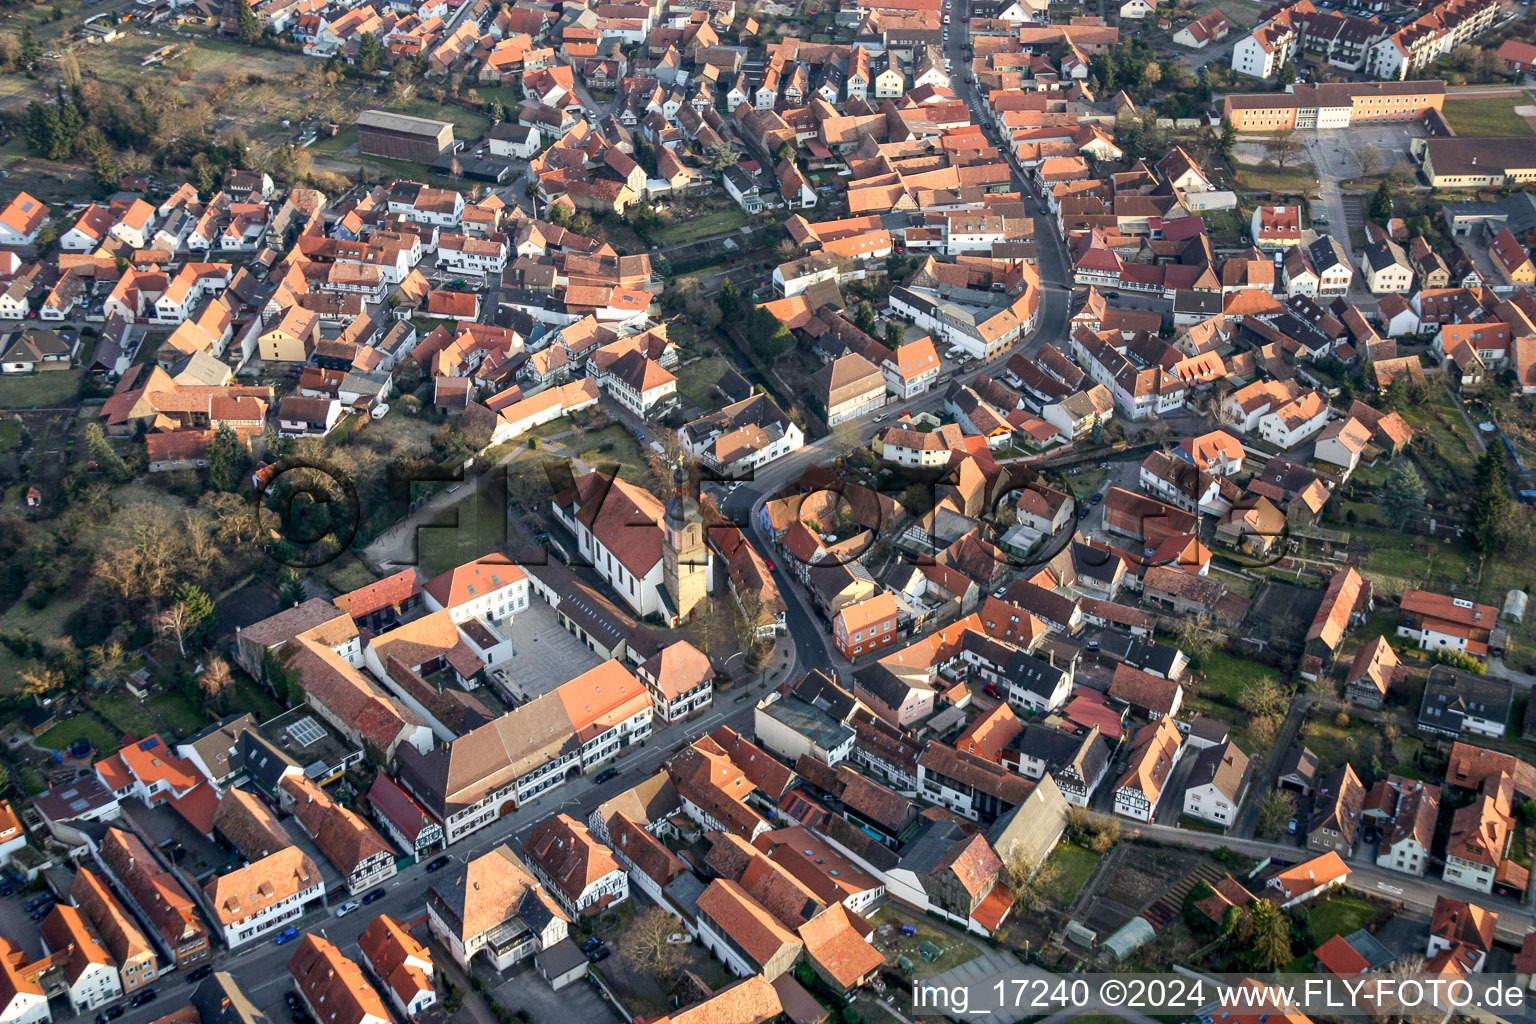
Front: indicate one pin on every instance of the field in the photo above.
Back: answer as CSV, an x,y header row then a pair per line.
x,y
39,390
1488,115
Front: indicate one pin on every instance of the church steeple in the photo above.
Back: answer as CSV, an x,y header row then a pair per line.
x,y
685,559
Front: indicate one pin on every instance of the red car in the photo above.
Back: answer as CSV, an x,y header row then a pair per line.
x,y
992,691
769,563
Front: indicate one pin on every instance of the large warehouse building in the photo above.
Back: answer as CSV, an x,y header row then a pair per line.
x,y
402,137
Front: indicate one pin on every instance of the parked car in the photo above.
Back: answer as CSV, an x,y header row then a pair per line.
x,y
769,562
591,944
42,911
144,996
438,863
604,775
37,901
1093,645
1291,828
199,973
286,935
110,1013
882,417
992,691
1095,499
374,895
347,907
1082,513
599,954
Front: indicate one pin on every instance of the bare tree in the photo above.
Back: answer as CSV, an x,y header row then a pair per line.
x,y
1263,698
177,621
1030,883
1198,634
41,680
202,546
1371,160
215,682
846,437
748,619
230,516
649,949
1262,733
1275,811
1283,147
109,662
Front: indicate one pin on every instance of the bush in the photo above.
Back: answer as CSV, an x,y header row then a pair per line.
x,y
1341,720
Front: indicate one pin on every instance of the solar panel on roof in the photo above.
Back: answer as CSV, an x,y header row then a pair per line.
x,y
305,732
79,805
149,744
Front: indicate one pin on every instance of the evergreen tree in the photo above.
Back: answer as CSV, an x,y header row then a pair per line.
x,y
729,301
199,606
1402,495
31,52
42,127
1227,142
101,451
864,318
224,459
248,27
370,52
1492,518
290,589
1271,936
1379,208
895,334
1287,74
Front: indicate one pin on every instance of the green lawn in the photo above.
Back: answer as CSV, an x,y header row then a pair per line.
x,y
462,533
1070,865
82,726
40,390
177,713
10,433
251,697
1340,915
1332,745
1225,676
716,222
1296,178
612,443
696,380
1491,115
124,713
